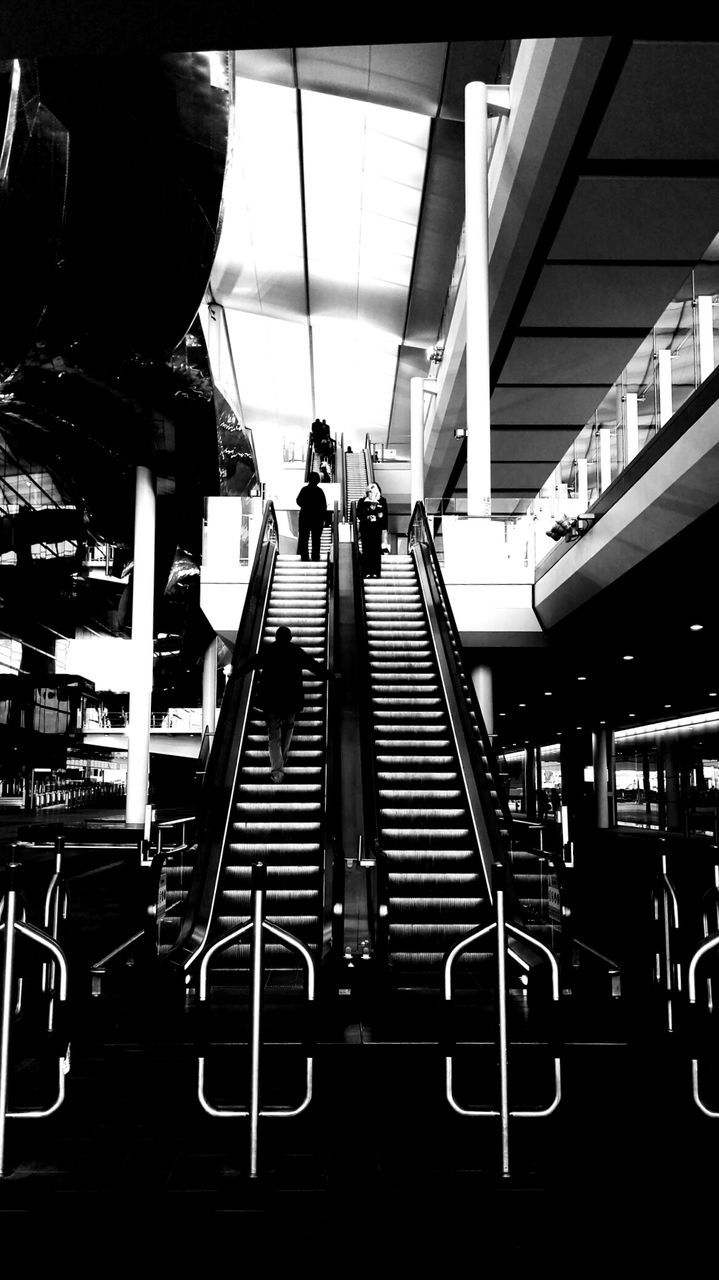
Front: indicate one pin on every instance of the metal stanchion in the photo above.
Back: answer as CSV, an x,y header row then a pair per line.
x,y
256,926
55,910
502,929
667,970
11,924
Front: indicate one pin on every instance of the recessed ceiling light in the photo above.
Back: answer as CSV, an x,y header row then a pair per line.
x,y
712,695
503,713
697,626
632,715
522,704
547,693
581,677
667,705
628,657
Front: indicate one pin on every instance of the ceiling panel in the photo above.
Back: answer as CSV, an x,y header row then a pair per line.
x,y
548,406
603,294
646,219
567,359
539,444
406,76
658,73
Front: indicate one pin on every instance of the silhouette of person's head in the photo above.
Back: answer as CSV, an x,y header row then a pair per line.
x,y
314,477
283,636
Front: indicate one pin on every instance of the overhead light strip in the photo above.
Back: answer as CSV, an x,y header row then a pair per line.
x,y
668,726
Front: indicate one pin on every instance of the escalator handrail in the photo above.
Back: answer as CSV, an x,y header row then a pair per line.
x,y
369,464
340,474
481,804
216,797
370,815
309,458
419,529
334,893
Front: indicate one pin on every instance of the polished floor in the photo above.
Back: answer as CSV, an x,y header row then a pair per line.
x,y
379,1159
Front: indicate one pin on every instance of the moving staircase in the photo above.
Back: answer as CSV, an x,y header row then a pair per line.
x,y
435,888
356,478
246,817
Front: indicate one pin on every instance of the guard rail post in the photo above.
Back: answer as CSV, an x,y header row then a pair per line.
x,y
502,928
11,924
256,926
665,913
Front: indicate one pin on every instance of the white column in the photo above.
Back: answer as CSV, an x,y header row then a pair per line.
x,y
416,441
631,426
664,360
706,336
209,687
143,598
582,483
479,483
484,689
605,458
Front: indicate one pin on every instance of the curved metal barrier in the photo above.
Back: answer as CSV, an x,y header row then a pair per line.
x,y
256,926
710,944
503,929
12,923
667,969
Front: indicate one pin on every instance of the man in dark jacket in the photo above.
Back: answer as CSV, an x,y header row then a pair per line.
x,y
313,509
281,693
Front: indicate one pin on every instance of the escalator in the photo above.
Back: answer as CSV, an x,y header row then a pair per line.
x,y
244,816
357,477
438,818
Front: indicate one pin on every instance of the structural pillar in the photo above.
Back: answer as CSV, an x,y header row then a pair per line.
x,y
416,441
582,491
631,428
530,782
706,335
479,483
602,760
483,687
143,599
673,787
209,687
664,361
605,458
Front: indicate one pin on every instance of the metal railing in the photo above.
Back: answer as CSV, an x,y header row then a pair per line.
x,y
13,923
333,861
665,916
709,945
370,855
504,932
215,806
153,859
256,926
474,749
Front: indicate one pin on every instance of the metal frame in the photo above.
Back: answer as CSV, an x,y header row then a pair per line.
x,y
667,970
256,925
503,928
12,925
709,945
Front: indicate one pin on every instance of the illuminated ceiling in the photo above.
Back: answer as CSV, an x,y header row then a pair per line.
x,y
331,192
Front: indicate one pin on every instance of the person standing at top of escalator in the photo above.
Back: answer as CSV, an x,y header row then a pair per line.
x,y
281,692
313,511
373,523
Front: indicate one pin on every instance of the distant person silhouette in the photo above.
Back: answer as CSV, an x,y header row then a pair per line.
x,y
313,510
281,693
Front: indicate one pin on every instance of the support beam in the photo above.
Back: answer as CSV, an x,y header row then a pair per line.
x,y
416,442
143,598
479,482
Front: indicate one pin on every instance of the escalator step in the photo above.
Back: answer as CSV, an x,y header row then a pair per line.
x,y
274,848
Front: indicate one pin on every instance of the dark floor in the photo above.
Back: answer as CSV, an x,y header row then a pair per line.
x,y
379,1164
